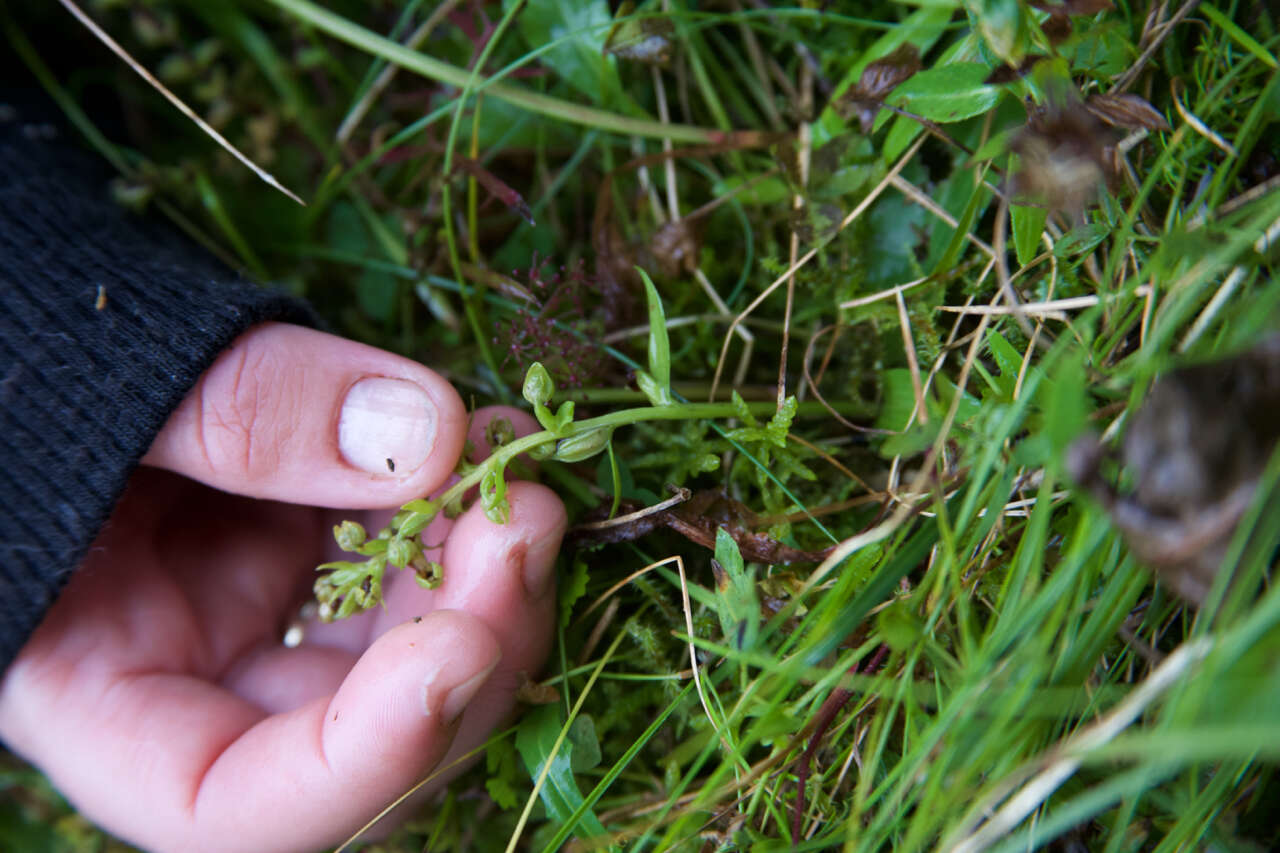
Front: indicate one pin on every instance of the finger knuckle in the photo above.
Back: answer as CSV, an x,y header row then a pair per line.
x,y
246,412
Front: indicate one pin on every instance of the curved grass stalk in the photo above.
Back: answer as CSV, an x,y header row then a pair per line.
x,y
430,67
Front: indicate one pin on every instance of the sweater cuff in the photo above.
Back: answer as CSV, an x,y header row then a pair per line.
x,y
106,322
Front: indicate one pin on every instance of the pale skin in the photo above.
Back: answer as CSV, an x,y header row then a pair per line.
x,y
157,694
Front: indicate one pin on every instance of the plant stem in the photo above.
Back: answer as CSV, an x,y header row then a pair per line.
x,y
764,402
677,412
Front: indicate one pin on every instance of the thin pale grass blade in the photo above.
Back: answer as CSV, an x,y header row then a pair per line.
x,y
142,72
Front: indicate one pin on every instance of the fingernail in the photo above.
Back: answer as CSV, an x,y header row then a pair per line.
x,y
387,426
540,565
457,699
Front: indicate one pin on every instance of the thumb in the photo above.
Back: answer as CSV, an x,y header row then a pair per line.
x,y
297,415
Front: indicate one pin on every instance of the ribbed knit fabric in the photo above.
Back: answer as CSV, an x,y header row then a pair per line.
x,y
85,388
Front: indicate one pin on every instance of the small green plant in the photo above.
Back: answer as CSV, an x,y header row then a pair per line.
x,y
349,587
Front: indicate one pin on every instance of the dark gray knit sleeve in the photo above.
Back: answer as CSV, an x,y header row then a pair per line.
x,y
106,321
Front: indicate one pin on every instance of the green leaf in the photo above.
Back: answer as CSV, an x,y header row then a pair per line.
x,y
342,570
911,442
901,134
950,93
585,754
563,418
615,480
535,738
780,424
579,30
658,394
979,198
921,28
376,293
737,602
898,626
1066,404
500,762
968,408
899,399
751,189
727,553
1103,50
774,432
1028,225
416,522
997,144
1008,359
1082,239
1002,27
659,344
573,588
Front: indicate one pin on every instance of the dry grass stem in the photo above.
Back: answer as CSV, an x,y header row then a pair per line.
x,y
142,72
1199,126
1034,793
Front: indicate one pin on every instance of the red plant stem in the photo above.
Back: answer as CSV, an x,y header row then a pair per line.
x,y
827,712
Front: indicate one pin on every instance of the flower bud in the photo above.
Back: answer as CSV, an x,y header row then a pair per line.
x,y
499,432
583,445
428,573
538,386
349,535
400,552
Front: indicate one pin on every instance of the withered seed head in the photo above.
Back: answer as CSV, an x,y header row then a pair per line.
x,y
1065,156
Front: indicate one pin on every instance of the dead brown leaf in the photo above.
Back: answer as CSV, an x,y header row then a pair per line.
x,y
1007,73
1128,111
865,98
697,520
675,247
532,692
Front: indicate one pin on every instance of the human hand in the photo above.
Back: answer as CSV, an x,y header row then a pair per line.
x,y
156,693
